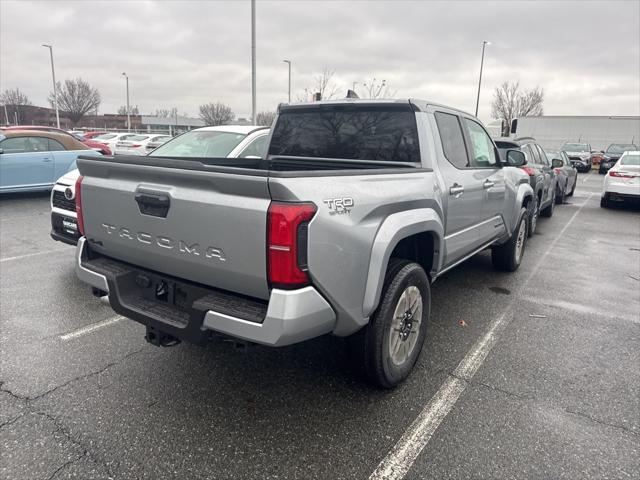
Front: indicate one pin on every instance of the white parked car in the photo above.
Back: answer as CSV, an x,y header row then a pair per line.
x,y
132,145
110,139
622,182
233,141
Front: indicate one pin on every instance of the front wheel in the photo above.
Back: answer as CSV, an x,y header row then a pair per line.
x,y
573,189
389,346
509,255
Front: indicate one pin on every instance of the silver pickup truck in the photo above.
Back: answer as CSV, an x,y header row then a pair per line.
x,y
353,211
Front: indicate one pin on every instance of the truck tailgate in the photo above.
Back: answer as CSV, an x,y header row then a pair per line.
x,y
197,224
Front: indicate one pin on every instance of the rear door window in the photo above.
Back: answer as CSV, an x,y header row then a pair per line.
x,y
350,132
255,148
452,139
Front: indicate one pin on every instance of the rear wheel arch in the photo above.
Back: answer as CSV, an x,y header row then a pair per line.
x,y
416,236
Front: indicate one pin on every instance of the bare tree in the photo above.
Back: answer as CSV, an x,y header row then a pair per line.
x,y
123,110
325,85
509,103
377,90
13,96
265,118
76,98
167,112
216,114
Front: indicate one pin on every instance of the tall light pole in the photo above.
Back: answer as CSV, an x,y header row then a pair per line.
x,y
128,109
484,44
253,61
55,87
289,63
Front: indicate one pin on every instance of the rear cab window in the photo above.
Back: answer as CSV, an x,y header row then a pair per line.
x,y
386,132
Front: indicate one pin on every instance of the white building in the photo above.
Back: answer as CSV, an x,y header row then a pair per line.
x,y
551,131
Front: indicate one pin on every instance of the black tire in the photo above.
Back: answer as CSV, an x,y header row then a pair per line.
x,y
573,189
370,346
532,216
560,198
508,256
604,203
547,212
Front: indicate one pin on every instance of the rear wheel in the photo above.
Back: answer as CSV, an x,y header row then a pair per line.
x,y
560,197
548,211
389,346
509,255
604,203
533,216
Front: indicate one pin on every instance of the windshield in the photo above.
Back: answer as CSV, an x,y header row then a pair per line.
x,y
620,148
551,154
200,144
387,133
576,147
633,159
106,136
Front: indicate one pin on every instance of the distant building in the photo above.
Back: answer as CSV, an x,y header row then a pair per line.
x,y
32,115
551,131
172,124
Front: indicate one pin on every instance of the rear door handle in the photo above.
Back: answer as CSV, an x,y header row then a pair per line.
x,y
456,189
488,184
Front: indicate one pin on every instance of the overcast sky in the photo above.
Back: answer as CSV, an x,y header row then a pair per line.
x,y
586,55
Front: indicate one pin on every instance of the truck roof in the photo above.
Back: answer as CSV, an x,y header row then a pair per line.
x,y
416,103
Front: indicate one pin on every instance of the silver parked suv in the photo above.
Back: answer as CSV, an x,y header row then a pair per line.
x,y
354,210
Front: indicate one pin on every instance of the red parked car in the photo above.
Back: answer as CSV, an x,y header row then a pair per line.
x,y
101,147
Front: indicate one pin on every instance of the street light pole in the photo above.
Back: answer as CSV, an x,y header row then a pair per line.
x,y
253,61
55,87
289,63
128,109
484,44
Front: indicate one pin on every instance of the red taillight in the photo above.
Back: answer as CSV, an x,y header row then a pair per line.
x,y
613,173
136,145
557,170
80,218
530,171
287,243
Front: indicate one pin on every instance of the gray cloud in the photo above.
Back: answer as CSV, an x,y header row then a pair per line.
x,y
586,55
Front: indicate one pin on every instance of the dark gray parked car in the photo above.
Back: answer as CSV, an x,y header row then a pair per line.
x,y
613,153
566,174
541,176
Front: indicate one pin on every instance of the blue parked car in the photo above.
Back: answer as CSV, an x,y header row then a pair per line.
x,y
34,160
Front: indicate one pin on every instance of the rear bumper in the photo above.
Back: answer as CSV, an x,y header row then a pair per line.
x,y
193,312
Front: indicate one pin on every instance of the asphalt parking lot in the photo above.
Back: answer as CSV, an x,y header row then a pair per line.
x,y
528,375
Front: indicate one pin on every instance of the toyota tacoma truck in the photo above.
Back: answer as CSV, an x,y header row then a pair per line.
x,y
354,208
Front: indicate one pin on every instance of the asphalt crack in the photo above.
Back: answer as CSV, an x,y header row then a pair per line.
x,y
549,404
30,409
602,422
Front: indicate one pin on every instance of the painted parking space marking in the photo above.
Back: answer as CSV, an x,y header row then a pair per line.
x,y
91,328
20,257
402,456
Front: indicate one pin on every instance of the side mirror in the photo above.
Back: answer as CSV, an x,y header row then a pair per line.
x,y
556,163
516,158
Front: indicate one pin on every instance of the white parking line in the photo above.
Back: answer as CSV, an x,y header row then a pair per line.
x,y
90,328
405,452
587,176
19,257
